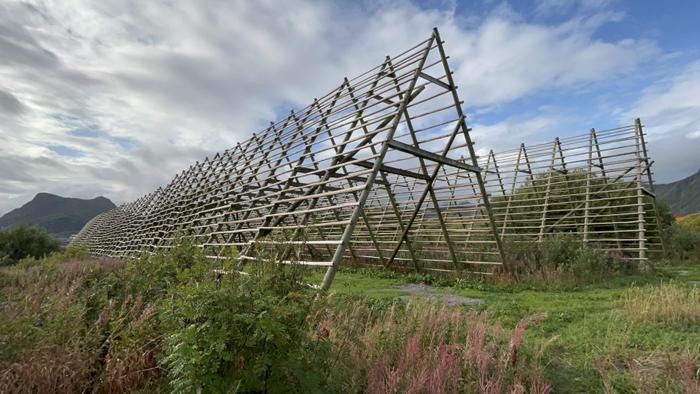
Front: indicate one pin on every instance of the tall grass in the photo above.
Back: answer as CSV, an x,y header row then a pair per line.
x,y
654,372
65,328
669,302
83,325
73,324
427,347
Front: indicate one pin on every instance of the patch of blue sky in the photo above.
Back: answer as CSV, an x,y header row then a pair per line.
x,y
84,132
94,131
66,151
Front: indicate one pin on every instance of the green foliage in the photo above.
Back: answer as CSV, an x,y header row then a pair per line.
x,y
682,236
682,242
152,275
559,255
244,330
526,204
163,323
247,331
23,241
559,250
665,214
61,256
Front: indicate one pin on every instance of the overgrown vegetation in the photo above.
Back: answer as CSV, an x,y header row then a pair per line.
x,y
24,241
682,242
562,316
162,323
427,348
558,259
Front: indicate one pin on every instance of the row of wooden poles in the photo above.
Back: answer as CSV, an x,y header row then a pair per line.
x,y
383,170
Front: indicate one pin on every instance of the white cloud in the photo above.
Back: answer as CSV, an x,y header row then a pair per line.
x,y
502,61
670,109
143,89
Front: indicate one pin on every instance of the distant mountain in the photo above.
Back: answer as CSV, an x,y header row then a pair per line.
x,y
60,216
681,196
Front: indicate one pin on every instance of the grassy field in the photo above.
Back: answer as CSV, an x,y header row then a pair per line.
x,y
71,323
591,336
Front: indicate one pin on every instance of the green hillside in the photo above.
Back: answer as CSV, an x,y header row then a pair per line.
x,y
691,221
60,216
681,196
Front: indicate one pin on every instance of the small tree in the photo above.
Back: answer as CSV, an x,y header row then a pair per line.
x,y
23,241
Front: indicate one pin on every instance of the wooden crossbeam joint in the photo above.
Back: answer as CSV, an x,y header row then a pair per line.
x,y
648,192
435,80
403,147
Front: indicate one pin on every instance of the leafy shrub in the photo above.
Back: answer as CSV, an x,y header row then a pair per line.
x,y
247,331
20,242
682,242
559,251
558,258
151,275
665,214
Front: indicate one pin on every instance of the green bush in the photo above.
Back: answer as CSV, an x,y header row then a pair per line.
x,y
559,251
244,330
61,256
21,242
242,333
559,255
589,260
682,242
665,214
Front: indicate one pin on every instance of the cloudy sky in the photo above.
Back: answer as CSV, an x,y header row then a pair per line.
x,y
114,98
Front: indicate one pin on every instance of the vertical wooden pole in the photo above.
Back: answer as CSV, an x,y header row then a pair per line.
x,y
657,212
640,194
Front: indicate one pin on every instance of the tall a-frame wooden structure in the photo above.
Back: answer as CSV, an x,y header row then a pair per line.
x,y
383,171
380,170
